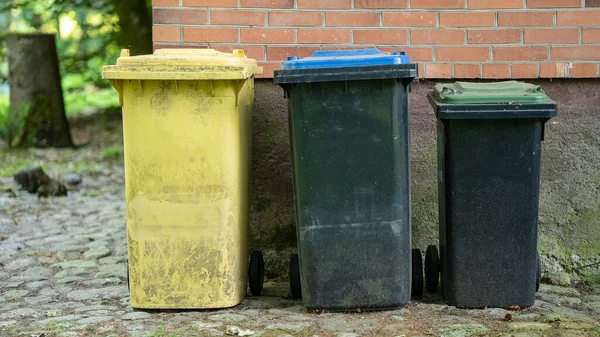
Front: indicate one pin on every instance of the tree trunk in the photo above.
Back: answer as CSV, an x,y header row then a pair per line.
x,y
36,92
136,25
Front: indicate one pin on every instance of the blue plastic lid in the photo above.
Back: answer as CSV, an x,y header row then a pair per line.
x,y
346,58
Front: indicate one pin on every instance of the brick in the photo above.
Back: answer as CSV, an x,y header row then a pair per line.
x,y
325,4
524,70
165,2
576,53
253,52
495,4
180,16
467,70
157,46
554,70
520,53
462,54
415,53
525,19
409,19
354,19
310,19
551,35
268,69
438,70
591,3
494,36
237,17
381,36
553,3
336,36
268,3
578,18
277,53
380,4
489,70
255,35
437,36
467,19
210,35
437,4
210,3
590,35
166,34
583,70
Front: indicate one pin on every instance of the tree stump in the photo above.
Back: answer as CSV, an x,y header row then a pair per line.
x,y
36,92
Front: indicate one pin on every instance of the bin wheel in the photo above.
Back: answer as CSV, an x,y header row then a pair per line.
x,y
295,286
256,273
538,276
432,269
417,273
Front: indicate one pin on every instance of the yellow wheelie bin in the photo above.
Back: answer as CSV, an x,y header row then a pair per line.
x,y
187,120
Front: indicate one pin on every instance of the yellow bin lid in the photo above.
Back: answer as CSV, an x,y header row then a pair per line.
x,y
183,64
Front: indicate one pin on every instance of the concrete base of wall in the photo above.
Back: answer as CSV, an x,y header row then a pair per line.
x,y
569,222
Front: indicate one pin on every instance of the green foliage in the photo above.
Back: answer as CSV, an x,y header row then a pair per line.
x,y
113,152
88,32
11,123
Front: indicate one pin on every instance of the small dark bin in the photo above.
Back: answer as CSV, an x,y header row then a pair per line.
x,y
489,149
348,117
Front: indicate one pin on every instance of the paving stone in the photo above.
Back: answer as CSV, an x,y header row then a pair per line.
x,y
75,264
38,300
290,327
112,271
20,264
522,334
60,319
548,288
20,313
346,334
206,325
37,285
529,326
96,307
227,317
8,323
591,298
592,306
70,279
136,315
103,282
559,299
108,293
14,294
96,253
6,285
94,320
558,278
463,330
72,272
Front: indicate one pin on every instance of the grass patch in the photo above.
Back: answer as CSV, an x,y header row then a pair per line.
x,y
112,153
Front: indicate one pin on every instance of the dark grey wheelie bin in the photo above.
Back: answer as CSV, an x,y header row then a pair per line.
x,y
348,116
489,148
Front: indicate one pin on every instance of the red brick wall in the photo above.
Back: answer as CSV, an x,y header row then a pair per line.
x,y
449,38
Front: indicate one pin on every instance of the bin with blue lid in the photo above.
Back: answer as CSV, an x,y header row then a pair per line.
x,y
489,149
348,118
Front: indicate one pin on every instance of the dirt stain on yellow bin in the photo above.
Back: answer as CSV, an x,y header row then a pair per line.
x,y
187,119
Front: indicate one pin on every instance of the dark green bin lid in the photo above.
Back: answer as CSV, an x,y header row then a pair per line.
x,y
507,92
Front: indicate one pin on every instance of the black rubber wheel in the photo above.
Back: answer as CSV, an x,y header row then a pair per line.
x,y
432,269
538,275
295,286
256,273
417,274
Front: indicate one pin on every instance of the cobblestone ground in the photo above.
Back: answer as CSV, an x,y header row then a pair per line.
x,y
63,273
